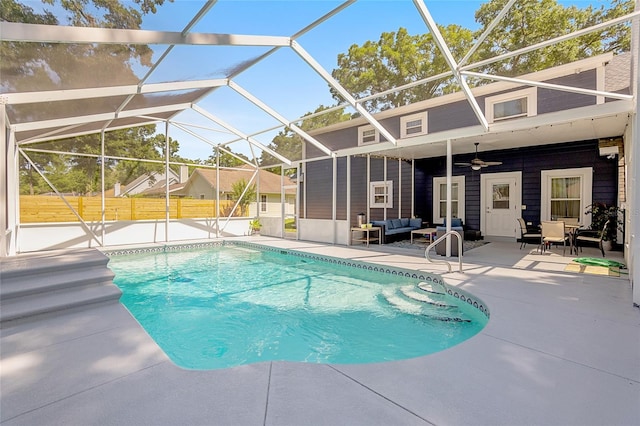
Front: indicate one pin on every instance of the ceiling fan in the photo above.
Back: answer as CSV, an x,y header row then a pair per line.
x,y
477,164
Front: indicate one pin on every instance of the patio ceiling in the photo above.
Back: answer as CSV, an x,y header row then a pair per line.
x,y
83,104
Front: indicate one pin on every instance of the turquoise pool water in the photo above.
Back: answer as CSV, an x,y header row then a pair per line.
x,y
229,305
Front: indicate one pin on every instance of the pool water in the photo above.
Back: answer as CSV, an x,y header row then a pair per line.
x,y
230,305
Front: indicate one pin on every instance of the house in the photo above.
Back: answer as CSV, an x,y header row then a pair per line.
x,y
557,144
151,184
202,185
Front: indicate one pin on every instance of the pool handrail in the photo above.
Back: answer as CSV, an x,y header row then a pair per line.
x,y
442,237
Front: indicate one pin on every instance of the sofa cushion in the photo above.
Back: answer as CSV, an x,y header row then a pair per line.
x,y
456,221
397,231
415,222
404,222
396,223
379,222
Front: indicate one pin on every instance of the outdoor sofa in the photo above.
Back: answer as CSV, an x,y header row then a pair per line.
x,y
396,229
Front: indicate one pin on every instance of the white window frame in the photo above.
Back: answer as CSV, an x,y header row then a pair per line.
x,y
404,121
361,135
437,197
263,203
531,94
387,187
586,188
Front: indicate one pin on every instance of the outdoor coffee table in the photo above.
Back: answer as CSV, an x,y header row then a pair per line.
x,y
428,233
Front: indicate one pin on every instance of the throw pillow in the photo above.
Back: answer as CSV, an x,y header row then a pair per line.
x,y
415,222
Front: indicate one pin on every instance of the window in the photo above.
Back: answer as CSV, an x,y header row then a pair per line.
x,y
522,103
440,198
263,203
202,196
413,125
500,196
381,194
566,193
368,135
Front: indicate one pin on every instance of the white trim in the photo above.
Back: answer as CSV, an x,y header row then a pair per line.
x,y
531,94
586,187
485,198
368,129
406,124
437,197
387,194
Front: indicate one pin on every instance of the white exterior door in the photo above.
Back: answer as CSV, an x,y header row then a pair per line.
x,y
500,203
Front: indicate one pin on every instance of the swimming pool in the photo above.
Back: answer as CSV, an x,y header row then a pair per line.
x,y
234,304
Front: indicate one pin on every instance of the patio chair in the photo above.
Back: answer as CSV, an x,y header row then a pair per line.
x,y
528,234
553,232
589,236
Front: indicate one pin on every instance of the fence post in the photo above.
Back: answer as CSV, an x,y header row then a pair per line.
x,y
81,207
133,209
179,208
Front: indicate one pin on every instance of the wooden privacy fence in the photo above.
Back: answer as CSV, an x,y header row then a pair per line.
x,y
40,208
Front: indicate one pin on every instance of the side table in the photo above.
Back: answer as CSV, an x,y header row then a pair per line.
x,y
366,237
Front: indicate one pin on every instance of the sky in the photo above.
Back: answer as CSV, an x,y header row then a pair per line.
x,y
283,80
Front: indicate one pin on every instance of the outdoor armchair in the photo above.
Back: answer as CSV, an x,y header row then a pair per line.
x,y
588,236
553,232
528,234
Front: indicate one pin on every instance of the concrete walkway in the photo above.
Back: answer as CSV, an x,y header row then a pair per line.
x,y
560,349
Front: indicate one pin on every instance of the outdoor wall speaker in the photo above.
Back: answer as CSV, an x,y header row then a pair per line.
x,y
608,151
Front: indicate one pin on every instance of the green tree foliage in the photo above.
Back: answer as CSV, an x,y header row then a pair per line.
x,y
530,22
47,66
396,59
289,144
226,159
237,189
399,58
81,174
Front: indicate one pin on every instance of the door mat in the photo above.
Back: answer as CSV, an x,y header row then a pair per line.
x,y
596,266
593,270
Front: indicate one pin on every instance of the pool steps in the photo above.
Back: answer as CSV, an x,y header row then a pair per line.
x,y
410,300
44,283
412,293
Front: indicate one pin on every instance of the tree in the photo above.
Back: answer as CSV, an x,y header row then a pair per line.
x,y
46,66
289,144
237,188
226,159
50,66
531,21
397,59
71,173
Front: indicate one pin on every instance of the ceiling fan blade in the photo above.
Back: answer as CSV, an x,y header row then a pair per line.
x,y
492,163
463,164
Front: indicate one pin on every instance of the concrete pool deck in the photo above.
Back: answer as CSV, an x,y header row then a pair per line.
x,y
560,349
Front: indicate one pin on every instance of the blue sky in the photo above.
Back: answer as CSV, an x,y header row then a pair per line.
x,y
284,81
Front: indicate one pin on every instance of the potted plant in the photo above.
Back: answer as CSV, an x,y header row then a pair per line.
x,y
600,214
254,226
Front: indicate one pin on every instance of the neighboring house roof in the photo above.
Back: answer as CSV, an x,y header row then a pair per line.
x,y
269,182
159,189
142,184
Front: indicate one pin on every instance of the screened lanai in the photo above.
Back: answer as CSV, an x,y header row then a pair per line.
x,y
226,79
